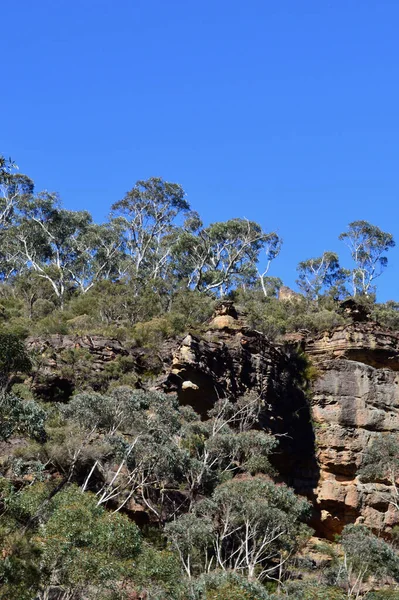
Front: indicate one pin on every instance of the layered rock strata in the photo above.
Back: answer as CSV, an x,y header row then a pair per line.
x,y
355,398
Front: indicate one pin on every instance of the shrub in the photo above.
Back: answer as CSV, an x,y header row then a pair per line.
x,y
22,417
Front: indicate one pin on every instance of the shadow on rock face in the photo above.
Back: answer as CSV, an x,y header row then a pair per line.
x,y
54,389
229,361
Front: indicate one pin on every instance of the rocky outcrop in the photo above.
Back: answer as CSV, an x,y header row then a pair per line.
x,y
64,362
361,342
103,349
229,360
355,398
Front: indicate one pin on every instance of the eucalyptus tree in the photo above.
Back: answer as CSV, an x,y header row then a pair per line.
x,y
5,166
48,236
368,245
147,218
249,526
22,417
318,274
98,255
142,431
72,549
63,247
272,249
223,255
160,447
365,556
225,444
15,188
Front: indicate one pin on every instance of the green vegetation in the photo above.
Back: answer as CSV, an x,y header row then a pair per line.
x,y
115,493
153,270
381,464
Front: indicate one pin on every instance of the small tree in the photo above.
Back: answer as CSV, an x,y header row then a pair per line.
x,y
73,546
364,556
225,444
142,429
13,359
368,245
253,526
22,417
50,241
381,462
14,187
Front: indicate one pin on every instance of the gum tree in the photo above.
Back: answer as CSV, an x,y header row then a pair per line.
x,y
249,526
147,220
368,245
225,254
316,274
63,247
365,556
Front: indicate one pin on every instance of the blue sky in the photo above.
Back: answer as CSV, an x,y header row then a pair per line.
x,y
283,111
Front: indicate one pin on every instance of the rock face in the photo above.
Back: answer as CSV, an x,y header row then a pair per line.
x,y
68,361
361,342
355,398
230,360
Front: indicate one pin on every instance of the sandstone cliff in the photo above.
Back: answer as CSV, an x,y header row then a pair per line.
x,y
323,432
355,398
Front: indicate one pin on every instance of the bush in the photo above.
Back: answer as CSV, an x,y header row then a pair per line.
x,y
387,314
224,585
74,543
13,357
42,308
275,317
160,574
383,595
22,417
55,323
312,591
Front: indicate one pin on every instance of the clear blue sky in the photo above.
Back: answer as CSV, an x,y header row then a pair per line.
x,y
281,111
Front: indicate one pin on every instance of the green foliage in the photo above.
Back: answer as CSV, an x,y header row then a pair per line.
x,y
367,553
368,245
383,595
13,357
163,447
365,556
159,572
223,255
21,417
321,273
313,591
20,571
75,544
22,505
225,585
387,314
274,317
381,459
250,523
